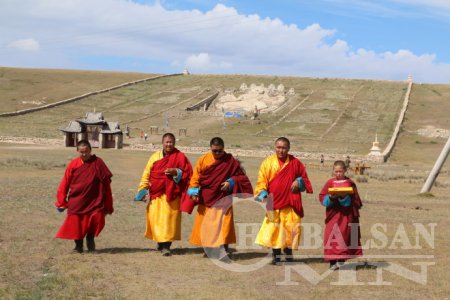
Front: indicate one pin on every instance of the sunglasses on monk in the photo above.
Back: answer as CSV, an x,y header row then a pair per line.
x,y
217,150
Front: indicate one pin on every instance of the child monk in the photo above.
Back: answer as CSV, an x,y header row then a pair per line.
x,y
342,234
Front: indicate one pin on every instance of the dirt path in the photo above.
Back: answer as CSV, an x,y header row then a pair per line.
x,y
56,143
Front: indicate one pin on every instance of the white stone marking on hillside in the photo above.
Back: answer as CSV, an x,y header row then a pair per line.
x,y
433,132
256,96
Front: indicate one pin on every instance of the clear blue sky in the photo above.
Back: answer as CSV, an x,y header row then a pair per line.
x,y
386,39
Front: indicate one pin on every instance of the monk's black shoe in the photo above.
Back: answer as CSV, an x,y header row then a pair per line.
x,y
276,253
90,243
288,253
78,246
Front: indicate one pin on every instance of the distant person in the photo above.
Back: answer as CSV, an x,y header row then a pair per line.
x,y
342,218
362,168
217,175
145,136
165,178
322,160
85,191
142,135
357,169
281,179
347,163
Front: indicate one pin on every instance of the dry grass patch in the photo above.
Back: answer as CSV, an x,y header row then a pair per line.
x,y
33,265
28,88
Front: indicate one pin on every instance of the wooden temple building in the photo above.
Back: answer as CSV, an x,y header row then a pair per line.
x,y
94,128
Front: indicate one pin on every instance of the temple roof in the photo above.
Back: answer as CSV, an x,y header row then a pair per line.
x,y
92,118
74,127
111,127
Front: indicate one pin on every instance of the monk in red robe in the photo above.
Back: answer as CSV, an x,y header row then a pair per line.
x,y
342,233
85,191
281,179
165,179
217,176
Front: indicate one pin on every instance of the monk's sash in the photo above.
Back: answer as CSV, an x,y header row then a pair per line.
x,y
164,184
280,187
88,187
210,180
217,173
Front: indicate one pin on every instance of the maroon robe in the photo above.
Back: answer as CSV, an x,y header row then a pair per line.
x,y
280,187
164,184
210,184
339,242
87,187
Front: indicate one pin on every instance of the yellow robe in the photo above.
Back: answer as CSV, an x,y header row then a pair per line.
x,y
163,219
211,227
281,227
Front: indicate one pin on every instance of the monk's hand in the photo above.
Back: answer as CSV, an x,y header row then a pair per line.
x,y
171,171
225,186
334,197
141,195
294,187
194,198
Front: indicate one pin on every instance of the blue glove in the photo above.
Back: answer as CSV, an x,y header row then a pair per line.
x,y
263,194
141,194
346,201
327,201
301,184
60,209
231,182
193,191
177,178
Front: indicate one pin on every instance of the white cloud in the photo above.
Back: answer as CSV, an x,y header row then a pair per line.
x,y
76,33
25,45
203,62
199,62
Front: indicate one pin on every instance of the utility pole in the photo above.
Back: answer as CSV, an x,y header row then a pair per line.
x,y
437,168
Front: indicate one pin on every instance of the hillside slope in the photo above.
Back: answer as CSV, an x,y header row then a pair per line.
x,y
28,88
323,116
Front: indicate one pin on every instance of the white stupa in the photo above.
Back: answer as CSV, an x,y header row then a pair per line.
x,y
410,78
375,150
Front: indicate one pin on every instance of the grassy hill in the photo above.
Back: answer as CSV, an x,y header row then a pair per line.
x,y
429,106
28,88
324,116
